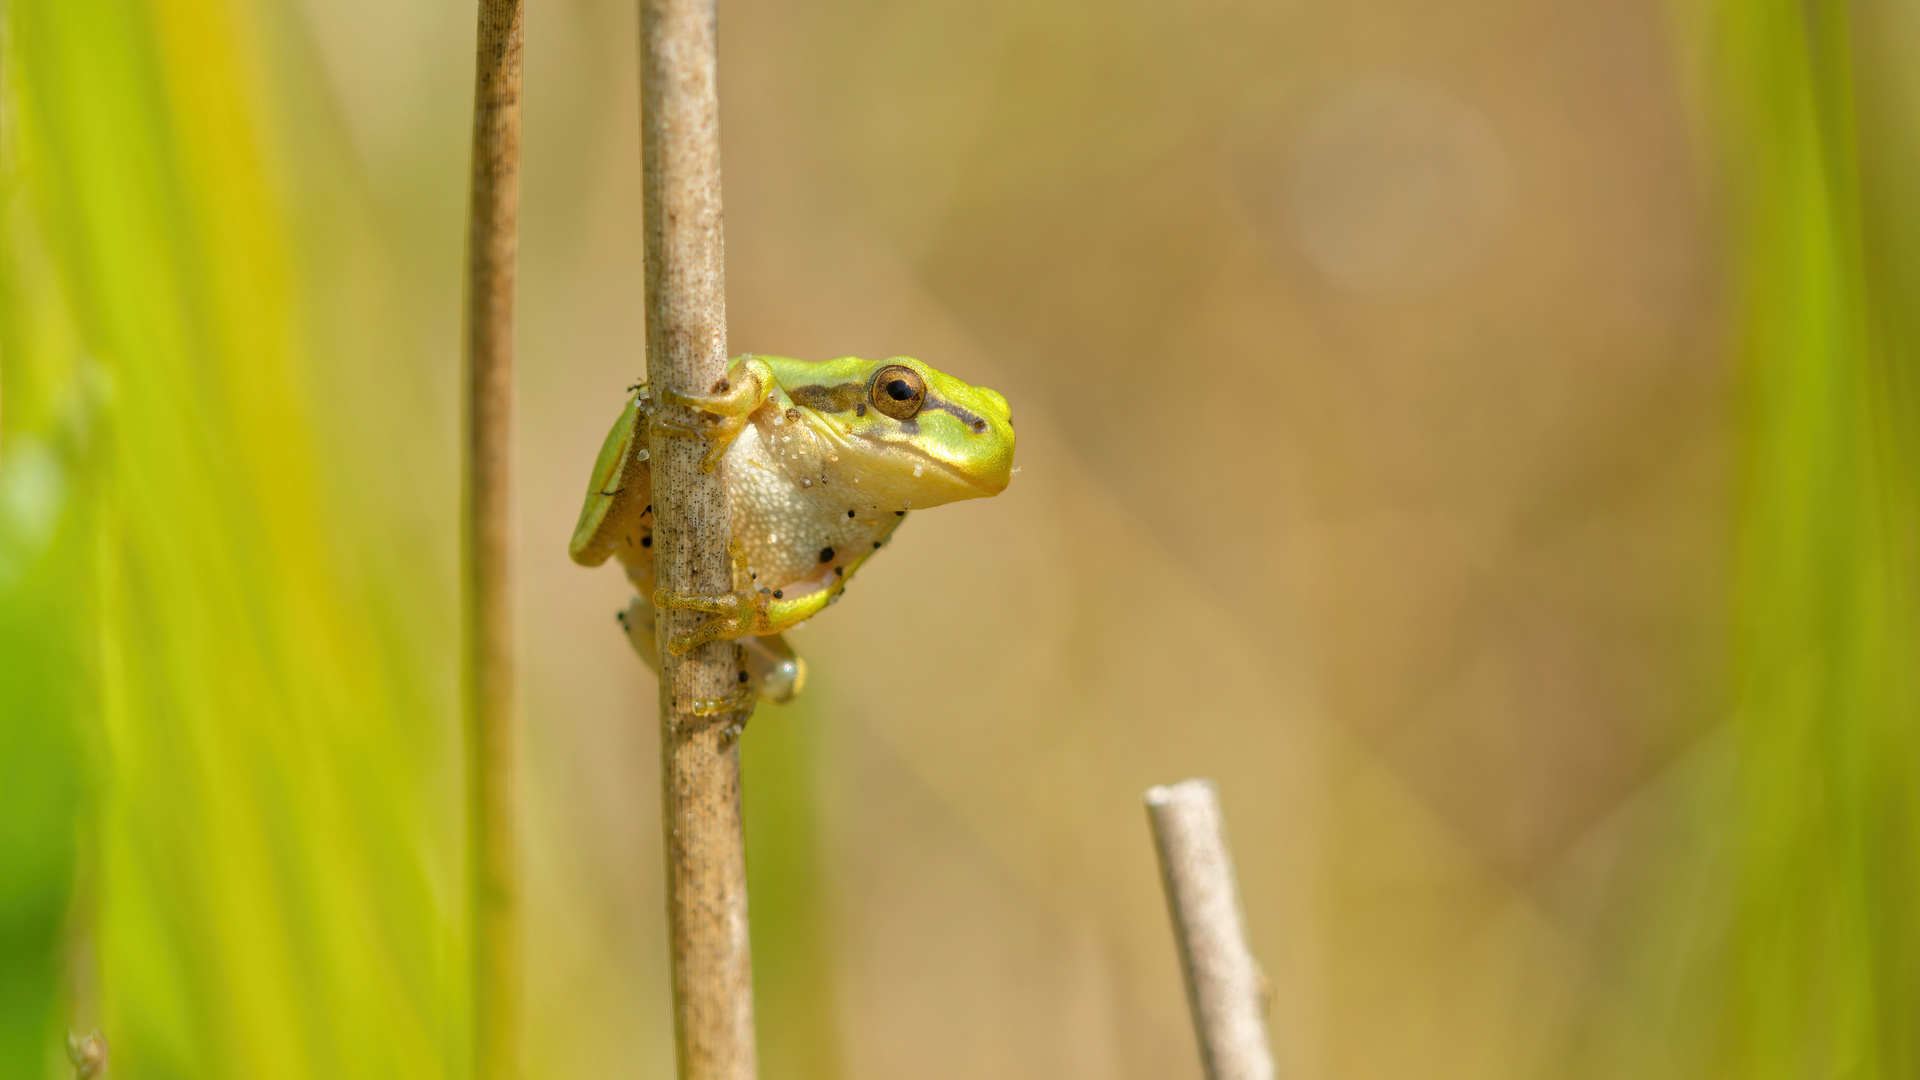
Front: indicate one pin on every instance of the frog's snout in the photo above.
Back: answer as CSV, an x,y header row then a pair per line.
x,y
999,402
993,472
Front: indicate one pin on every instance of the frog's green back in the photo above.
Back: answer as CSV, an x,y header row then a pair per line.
x,y
612,488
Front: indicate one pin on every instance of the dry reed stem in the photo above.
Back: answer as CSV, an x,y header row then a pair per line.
x,y
488,631
687,352
1224,983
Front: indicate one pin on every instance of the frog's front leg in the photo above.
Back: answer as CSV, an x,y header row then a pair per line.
x,y
747,386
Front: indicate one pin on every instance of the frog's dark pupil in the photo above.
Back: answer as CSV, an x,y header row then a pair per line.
x,y
898,390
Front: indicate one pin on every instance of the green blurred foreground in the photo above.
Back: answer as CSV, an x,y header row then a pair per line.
x,y
228,831
220,759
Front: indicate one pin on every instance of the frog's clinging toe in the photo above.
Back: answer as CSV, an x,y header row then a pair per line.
x,y
740,700
720,629
734,617
718,437
724,604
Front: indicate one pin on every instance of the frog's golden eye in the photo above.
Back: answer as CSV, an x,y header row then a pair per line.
x,y
898,391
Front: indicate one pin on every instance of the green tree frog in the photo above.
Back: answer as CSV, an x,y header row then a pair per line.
x,y
823,462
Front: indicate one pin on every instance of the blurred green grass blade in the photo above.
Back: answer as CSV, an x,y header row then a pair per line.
x,y
795,998
46,560
1826,946
45,564
268,904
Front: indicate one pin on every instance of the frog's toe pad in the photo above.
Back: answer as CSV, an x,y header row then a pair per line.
x,y
740,700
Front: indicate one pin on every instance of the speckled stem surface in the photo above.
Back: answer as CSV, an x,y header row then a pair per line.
x,y
488,665
1224,984
687,351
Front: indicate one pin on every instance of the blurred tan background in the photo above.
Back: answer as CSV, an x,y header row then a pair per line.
x,y
1366,359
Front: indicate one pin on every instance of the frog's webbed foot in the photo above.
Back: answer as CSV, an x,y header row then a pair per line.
x,y
739,613
733,400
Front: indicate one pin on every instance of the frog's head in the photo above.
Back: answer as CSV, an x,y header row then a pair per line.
x,y
920,437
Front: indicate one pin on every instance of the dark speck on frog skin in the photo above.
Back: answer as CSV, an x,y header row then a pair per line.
x,y
826,554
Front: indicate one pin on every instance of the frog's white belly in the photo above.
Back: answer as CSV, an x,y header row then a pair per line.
x,y
791,498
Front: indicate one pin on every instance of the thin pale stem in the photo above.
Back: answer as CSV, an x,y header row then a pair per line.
x,y
687,352
488,631
1225,986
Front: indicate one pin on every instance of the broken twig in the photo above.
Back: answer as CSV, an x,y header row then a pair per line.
x,y
1225,987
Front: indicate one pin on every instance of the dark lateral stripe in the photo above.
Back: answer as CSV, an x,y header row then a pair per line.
x,y
966,417
841,397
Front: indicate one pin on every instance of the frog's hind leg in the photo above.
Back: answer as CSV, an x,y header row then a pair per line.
x,y
774,674
637,622
773,670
